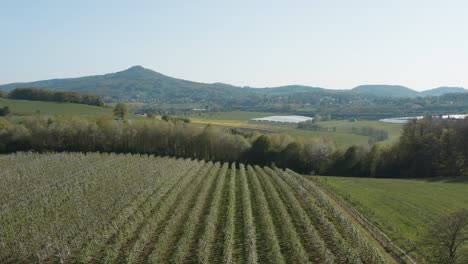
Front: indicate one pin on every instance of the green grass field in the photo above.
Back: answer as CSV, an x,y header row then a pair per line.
x,y
233,115
403,208
394,130
240,119
23,107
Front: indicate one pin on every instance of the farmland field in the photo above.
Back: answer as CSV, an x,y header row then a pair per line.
x,y
235,119
24,107
403,208
96,208
343,139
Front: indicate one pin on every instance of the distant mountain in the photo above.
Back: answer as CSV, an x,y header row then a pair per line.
x,y
135,83
444,90
385,91
141,84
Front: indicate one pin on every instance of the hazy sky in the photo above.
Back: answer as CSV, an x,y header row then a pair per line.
x,y
329,43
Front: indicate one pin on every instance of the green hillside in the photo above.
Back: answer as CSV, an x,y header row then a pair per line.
x,y
403,208
444,90
385,91
136,83
140,84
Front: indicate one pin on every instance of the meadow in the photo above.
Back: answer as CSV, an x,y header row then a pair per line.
x,y
108,208
342,138
402,208
25,107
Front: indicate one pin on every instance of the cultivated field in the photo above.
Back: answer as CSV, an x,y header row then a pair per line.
x,y
96,208
403,208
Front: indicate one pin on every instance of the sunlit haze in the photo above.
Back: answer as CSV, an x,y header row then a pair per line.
x,y
332,44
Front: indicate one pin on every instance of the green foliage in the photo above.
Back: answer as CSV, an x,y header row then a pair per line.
x,y
4,111
261,151
310,125
23,107
405,209
34,94
107,135
151,116
343,137
445,239
230,226
433,148
248,219
4,124
175,119
426,148
121,110
375,134
136,208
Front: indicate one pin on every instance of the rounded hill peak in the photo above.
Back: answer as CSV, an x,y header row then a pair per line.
x,y
137,73
136,67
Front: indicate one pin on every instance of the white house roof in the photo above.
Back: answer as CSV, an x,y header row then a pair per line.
x,y
403,120
283,119
400,120
454,116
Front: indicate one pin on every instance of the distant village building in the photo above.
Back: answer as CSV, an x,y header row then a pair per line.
x,y
404,120
454,116
400,120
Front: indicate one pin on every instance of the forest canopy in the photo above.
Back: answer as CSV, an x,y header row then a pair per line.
x,y
35,94
427,148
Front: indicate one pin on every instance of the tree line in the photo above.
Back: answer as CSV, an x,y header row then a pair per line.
x,y
427,148
172,138
35,94
5,111
374,134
